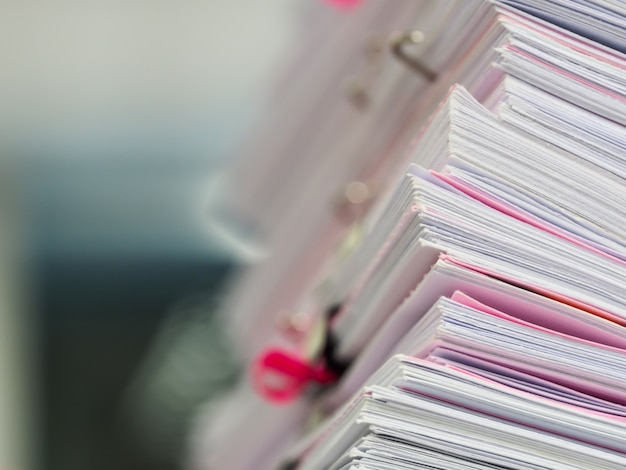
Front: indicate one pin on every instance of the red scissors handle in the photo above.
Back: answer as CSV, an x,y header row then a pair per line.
x,y
280,376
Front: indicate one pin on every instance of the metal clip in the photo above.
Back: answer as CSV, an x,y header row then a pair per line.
x,y
399,42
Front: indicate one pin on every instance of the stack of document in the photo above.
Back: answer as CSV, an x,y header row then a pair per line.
x,y
481,318
447,414
494,274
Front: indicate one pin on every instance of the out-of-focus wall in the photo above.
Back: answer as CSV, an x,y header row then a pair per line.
x,y
70,66
114,117
132,105
18,383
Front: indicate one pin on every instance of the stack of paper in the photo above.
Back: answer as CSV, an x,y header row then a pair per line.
x,y
603,21
483,312
496,270
449,415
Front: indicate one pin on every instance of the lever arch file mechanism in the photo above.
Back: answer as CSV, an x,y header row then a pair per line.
x,y
400,42
472,314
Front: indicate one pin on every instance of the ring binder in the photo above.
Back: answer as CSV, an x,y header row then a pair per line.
x,y
399,41
498,253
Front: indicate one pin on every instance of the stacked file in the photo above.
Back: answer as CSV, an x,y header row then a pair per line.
x,y
446,414
481,320
494,275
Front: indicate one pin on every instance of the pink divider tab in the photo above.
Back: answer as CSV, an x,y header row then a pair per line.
x,y
540,290
557,323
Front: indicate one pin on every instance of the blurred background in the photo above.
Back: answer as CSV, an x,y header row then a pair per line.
x,y
118,119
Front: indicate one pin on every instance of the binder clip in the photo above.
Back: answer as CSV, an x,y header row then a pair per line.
x,y
281,376
329,351
401,43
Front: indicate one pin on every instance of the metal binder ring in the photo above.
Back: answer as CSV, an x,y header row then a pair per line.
x,y
400,41
357,88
